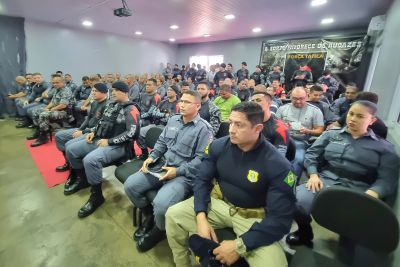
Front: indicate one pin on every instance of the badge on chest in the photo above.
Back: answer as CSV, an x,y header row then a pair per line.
x,y
252,176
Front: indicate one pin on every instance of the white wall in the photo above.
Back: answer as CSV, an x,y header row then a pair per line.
x,y
82,52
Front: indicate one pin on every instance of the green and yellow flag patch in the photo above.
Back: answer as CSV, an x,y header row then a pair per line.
x,y
290,179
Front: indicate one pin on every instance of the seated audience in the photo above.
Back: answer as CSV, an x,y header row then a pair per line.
x,y
341,105
110,140
352,157
70,83
67,137
275,74
159,117
148,100
257,76
275,130
314,98
37,89
329,84
226,101
56,109
20,96
378,126
209,111
243,93
279,90
182,144
305,121
255,198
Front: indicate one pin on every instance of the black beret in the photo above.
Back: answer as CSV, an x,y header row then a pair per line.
x,y
101,87
120,86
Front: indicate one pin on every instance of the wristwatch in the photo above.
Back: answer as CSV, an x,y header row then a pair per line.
x,y
240,247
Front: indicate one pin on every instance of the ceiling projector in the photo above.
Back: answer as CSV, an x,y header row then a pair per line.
x,y
123,11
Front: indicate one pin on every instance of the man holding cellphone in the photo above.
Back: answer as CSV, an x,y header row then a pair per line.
x,y
182,143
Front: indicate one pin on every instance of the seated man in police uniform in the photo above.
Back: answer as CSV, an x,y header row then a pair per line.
x,y
67,137
254,178
182,143
110,140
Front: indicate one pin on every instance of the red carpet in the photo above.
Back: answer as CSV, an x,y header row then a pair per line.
x,y
47,157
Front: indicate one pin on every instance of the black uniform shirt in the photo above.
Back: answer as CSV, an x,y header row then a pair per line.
x,y
257,178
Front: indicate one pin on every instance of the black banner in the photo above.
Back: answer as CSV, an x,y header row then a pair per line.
x,y
340,55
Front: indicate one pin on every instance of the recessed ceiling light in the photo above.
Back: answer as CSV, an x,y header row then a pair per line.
x,y
172,39
87,23
206,35
318,2
174,27
229,16
327,21
257,29
138,33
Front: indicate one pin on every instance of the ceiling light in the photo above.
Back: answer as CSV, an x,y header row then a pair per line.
x,y
229,16
87,23
172,39
174,27
327,21
318,2
206,35
138,33
257,29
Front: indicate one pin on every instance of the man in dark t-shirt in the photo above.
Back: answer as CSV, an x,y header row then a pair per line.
x,y
275,130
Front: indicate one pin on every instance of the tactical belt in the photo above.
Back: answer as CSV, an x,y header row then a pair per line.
x,y
244,212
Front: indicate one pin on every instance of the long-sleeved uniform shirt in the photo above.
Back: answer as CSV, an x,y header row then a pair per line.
x,y
274,75
147,104
82,92
119,123
183,145
258,77
165,110
367,161
37,91
94,115
259,178
210,112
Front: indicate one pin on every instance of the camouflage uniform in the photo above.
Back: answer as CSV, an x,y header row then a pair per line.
x,y
42,119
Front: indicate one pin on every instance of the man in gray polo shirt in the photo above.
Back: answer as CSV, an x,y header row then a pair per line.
x,y
305,121
182,143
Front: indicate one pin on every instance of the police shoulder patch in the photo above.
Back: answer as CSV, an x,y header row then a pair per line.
x,y
252,176
290,179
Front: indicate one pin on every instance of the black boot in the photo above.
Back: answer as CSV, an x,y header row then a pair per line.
x,y
147,225
71,179
304,235
42,139
64,167
23,123
145,154
80,182
35,134
149,240
96,200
